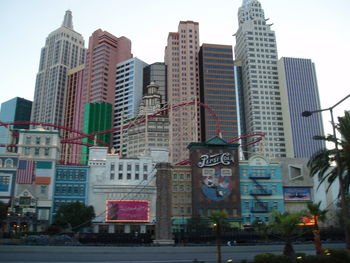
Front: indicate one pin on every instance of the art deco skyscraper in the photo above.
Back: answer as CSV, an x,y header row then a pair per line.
x,y
300,92
63,50
181,59
256,49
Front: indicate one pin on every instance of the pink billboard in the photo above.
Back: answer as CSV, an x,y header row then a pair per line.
x,y
127,211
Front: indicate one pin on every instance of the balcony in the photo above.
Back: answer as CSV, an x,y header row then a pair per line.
x,y
259,176
260,192
260,209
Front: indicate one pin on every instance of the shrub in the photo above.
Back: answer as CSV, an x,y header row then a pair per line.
x,y
271,258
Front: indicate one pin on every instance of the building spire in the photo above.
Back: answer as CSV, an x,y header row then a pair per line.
x,y
68,20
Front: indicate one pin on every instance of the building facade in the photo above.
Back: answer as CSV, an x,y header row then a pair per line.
x,y
217,91
156,73
123,191
153,131
97,117
71,152
299,91
14,110
70,185
63,50
181,59
256,49
38,152
128,96
261,189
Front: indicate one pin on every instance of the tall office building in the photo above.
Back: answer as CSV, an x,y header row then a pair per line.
x,y
128,95
256,49
104,53
156,73
217,91
70,152
63,50
181,59
300,93
14,110
96,118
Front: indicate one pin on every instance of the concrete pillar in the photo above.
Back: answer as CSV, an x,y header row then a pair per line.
x,y
163,205
126,228
110,228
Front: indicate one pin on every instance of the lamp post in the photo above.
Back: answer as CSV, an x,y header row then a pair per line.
x,y
342,190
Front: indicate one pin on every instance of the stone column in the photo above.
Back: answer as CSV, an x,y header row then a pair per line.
x,y
163,205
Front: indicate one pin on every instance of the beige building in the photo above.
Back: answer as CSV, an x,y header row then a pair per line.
x,y
181,59
148,132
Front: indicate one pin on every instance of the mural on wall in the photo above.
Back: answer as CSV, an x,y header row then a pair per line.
x,y
297,194
127,211
217,182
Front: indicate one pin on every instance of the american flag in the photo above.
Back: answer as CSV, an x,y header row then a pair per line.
x,y
25,172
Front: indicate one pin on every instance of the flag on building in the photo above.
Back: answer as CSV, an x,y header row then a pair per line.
x,y
25,172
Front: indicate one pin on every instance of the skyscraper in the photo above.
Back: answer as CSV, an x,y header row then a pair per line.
x,y
156,73
256,49
63,50
104,53
217,90
128,95
14,110
181,59
300,92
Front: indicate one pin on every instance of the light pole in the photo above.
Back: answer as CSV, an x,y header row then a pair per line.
x,y
342,185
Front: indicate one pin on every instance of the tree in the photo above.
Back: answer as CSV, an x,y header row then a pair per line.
x,y
322,165
218,217
75,215
318,215
285,226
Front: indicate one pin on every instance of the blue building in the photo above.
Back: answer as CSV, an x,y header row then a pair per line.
x,y
128,95
300,93
261,189
14,110
71,183
8,167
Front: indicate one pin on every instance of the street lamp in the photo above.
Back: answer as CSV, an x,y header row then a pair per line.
x,y
337,162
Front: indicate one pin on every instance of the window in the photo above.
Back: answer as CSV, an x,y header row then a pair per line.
x,y
128,176
175,187
43,189
26,151
8,163
36,151
47,151
28,140
37,140
47,140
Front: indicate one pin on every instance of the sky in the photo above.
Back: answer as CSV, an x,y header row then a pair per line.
x,y
315,29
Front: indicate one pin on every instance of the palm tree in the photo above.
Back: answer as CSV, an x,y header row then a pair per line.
x,y
286,227
322,164
318,215
218,218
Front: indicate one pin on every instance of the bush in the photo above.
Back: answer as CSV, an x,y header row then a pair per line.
x,y
328,256
271,258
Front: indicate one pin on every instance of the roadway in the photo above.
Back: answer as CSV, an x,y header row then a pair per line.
x,y
141,254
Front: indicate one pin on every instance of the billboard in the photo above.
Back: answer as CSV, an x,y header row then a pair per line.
x,y
297,193
127,211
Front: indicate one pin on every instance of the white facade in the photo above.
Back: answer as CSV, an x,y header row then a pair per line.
x,y
64,49
256,48
116,178
128,95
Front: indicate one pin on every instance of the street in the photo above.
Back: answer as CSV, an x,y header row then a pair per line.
x,y
152,254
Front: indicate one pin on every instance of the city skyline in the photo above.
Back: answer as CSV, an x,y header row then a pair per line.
x,y
324,35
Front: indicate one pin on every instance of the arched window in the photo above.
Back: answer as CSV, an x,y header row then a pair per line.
x,y
8,163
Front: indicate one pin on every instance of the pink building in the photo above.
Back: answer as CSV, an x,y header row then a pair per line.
x,y
181,58
72,102
105,51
